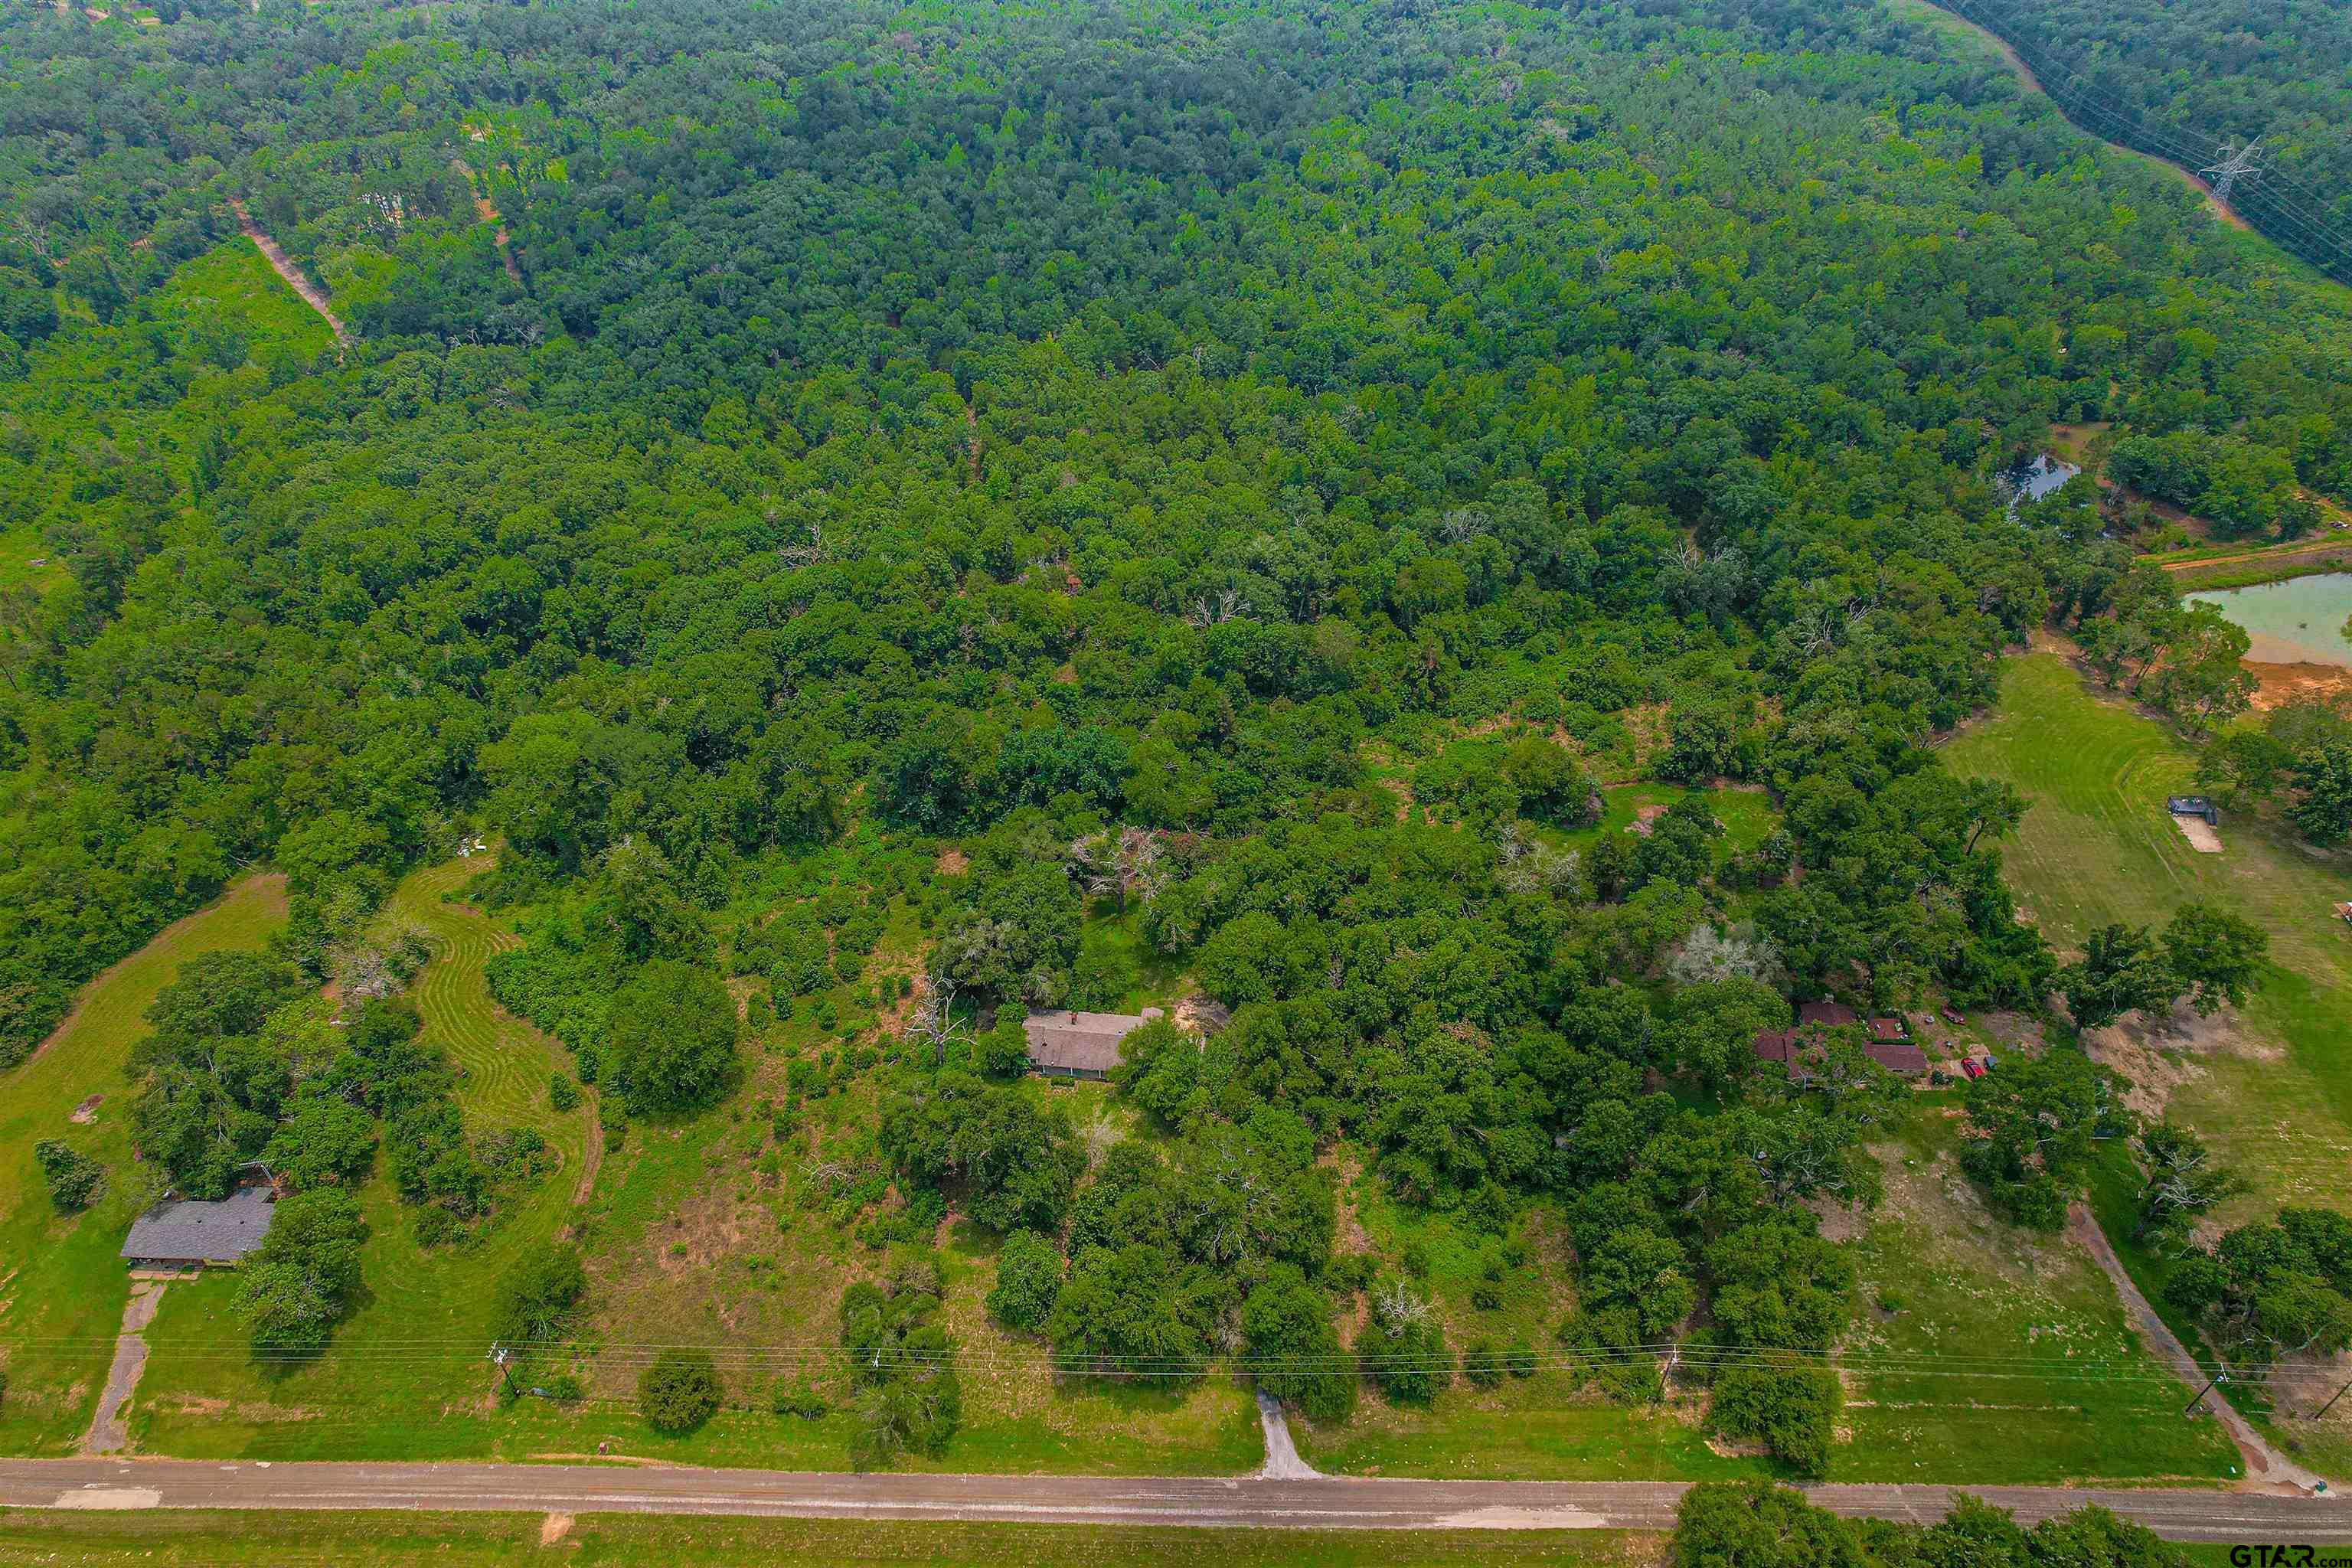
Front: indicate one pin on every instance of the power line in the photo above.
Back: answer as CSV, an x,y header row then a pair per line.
x,y
2279,198
2232,168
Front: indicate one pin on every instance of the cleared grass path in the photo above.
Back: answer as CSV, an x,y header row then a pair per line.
x,y
407,1375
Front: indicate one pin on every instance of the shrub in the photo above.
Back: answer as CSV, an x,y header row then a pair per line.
x,y
73,1176
799,1399
679,1391
563,1094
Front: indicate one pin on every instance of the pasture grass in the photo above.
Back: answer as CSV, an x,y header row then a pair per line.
x,y
2272,1087
201,1539
62,1284
1984,1355
2269,1086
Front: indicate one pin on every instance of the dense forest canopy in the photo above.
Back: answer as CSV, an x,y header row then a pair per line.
x,y
2195,80
1099,442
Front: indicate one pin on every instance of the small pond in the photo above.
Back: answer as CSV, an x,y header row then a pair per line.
x,y
2300,620
2031,481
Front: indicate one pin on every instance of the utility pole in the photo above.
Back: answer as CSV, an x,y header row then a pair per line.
x,y
2331,1403
2191,1408
2224,174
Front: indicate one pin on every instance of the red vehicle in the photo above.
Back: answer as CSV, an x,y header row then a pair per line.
x,y
1973,1068
1954,1016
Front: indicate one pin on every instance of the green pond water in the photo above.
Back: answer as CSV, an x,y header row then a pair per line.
x,y
2300,620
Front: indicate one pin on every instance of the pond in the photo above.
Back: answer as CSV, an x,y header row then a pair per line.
x,y
2031,481
2300,620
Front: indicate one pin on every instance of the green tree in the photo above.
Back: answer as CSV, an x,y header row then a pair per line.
x,y
679,1391
1028,1280
2323,780
1754,1524
2122,970
2215,954
539,1295
672,1046
299,1283
1287,1333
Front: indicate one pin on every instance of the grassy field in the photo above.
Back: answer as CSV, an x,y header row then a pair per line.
x,y
1981,1356
406,1374
202,1540
1984,1355
2271,1087
62,1284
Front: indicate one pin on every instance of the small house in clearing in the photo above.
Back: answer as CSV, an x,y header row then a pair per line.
x,y
2194,805
1079,1045
179,1232
1887,1042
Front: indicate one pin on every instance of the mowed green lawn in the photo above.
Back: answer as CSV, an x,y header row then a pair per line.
x,y
407,1375
62,1284
205,1538
2270,1087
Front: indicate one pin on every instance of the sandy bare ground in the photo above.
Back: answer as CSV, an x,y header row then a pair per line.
x,y
2199,833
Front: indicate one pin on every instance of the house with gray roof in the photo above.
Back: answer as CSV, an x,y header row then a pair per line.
x,y
1079,1045
217,1234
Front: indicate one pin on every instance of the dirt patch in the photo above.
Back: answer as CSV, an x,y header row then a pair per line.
x,y
1643,817
951,863
2300,1384
87,1111
555,1528
2279,684
2199,833
2141,1055
2017,1031
1840,1222
1203,1015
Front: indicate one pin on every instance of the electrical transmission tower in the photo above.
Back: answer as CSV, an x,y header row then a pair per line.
x,y
2224,174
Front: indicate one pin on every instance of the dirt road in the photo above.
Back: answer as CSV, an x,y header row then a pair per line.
x,y
295,277
2263,1463
1322,1504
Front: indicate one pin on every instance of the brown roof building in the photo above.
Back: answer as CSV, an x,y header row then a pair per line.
x,y
1081,1045
1888,1045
